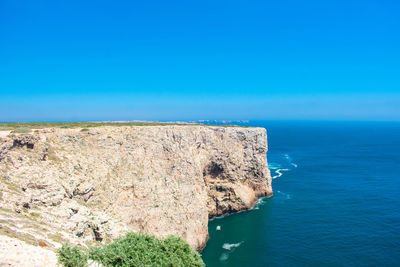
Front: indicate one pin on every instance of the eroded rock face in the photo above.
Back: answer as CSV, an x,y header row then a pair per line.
x,y
98,184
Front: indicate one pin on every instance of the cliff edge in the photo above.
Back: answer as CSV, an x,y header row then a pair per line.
x,y
87,185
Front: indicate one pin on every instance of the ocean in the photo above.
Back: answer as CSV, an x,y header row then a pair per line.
x,y
336,200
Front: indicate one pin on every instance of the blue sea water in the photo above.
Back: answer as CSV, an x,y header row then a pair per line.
x,y
336,200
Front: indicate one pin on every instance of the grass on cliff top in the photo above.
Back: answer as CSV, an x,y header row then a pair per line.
x,y
28,126
134,249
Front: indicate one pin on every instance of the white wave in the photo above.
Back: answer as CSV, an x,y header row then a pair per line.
x,y
258,203
273,166
290,160
224,257
218,217
285,195
279,173
228,246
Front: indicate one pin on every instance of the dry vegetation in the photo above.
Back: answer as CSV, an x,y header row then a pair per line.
x,y
28,127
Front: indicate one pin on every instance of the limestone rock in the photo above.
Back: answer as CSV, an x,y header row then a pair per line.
x,y
14,252
87,186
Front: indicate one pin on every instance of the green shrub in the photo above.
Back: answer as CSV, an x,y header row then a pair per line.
x,y
72,256
135,250
146,250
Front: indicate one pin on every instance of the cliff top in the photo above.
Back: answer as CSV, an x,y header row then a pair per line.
x,y
26,127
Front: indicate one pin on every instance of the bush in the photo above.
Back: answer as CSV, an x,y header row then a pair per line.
x,y
72,256
138,250
146,250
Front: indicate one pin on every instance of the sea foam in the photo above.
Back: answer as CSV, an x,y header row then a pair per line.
x,y
279,173
224,257
228,246
258,203
285,195
273,166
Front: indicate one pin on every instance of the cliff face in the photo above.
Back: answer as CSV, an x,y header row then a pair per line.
x,y
72,184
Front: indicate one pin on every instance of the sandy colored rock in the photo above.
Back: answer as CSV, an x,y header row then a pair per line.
x,y
96,184
17,253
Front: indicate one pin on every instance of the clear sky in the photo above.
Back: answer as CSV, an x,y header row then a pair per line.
x,y
199,59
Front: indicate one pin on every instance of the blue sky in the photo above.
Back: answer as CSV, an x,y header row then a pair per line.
x,y
182,60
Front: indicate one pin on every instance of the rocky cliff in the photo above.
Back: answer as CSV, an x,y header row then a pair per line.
x,y
93,185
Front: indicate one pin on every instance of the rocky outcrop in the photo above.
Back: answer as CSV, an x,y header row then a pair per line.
x,y
93,185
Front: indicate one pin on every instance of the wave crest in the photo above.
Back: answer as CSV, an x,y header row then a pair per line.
x,y
279,173
228,246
